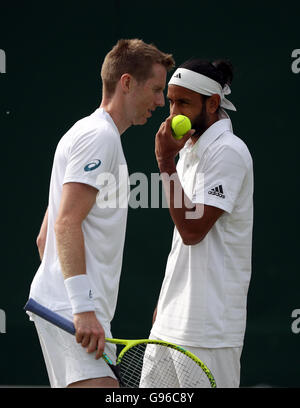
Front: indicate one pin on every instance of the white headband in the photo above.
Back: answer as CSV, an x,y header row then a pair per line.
x,y
201,84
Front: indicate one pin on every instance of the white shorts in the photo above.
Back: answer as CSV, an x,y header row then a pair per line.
x,y
224,364
66,360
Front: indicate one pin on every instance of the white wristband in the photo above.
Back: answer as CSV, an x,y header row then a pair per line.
x,y
80,294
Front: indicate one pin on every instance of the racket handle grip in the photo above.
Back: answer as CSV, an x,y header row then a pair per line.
x,y
50,316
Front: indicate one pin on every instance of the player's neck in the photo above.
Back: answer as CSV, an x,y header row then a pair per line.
x,y
210,121
111,106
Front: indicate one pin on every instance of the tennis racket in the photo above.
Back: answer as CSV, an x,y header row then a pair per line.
x,y
144,363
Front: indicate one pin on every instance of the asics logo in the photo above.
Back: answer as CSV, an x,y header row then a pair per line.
x,y
92,165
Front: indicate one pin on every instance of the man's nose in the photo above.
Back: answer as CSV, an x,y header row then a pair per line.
x,y
160,101
174,110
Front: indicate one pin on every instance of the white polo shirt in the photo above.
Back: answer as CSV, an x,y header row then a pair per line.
x,y
90,153
203,298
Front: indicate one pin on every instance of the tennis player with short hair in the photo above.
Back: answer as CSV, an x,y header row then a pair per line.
x,y
202,303
81,242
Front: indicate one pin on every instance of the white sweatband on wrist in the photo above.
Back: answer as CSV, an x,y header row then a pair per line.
x,y
80,294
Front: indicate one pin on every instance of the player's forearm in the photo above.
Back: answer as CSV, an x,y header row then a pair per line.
x,y
182,210
70,246
71,253
154,316
41,239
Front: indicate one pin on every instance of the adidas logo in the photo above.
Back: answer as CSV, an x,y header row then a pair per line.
x,y
178,75
218,191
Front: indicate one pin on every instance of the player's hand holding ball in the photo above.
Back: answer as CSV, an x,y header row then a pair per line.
x,y
172,136
180,126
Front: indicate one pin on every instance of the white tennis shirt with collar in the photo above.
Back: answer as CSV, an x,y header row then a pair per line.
x,y
90,153
203,298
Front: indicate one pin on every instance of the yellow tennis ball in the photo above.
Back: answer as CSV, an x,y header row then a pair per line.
x,y
180,125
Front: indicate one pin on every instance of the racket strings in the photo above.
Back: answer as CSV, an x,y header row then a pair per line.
x,y
160,366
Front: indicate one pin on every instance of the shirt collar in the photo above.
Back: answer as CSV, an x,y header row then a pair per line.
x,y
101,112
209,136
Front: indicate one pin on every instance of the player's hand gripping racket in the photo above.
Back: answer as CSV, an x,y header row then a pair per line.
x,y
144,363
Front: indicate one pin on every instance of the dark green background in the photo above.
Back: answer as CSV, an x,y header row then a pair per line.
x,y
54,54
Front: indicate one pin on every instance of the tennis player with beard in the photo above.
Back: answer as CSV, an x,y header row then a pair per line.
x,y
202,303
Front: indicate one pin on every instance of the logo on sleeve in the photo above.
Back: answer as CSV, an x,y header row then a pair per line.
x,y
94,164
217,191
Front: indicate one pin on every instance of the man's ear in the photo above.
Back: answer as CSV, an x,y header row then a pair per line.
x,y
126,82
213,103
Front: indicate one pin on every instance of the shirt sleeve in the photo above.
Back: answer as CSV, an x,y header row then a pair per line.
x,y
90,155
220,182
